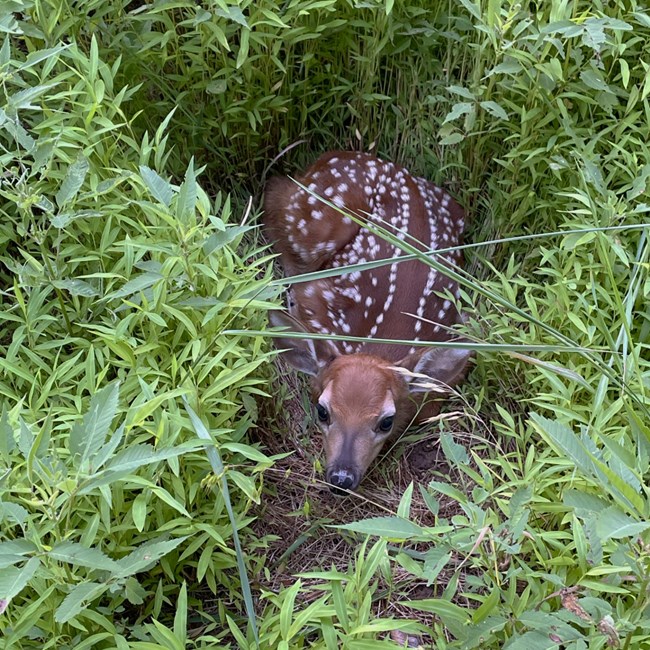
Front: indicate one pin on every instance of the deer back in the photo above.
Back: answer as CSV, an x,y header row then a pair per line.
x,y
312,231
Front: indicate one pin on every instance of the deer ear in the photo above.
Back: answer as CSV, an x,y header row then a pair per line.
x,y
445,365
305,355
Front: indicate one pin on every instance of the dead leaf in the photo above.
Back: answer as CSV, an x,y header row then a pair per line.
x,y
570,603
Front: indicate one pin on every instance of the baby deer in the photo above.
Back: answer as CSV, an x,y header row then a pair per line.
x,y
360,395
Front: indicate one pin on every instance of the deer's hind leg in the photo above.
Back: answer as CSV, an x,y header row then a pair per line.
x,y
304,230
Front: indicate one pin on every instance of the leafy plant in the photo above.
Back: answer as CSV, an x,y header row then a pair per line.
x,y
125,262
114,276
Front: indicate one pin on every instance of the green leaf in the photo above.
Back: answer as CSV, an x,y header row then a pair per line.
x,y
385,625
456,454
139,511
552,367
20,546
140,412
453,616
232,13
479,635
534,640
582,452
146,555
448,490
13,513
462,91
159,188
88,436
563,438
187,193
612,523
473,8
487,607
432,503
369,644
217,467
137,284
404,507
77,287
78,555
452,138
106,451
593,33
163,495
390,527
244,41
132,458
7,440
23,98
435,560
459,109
25,438
73,181
79,597
247,451
180,617
14,579
286,610
544,622
217,240
584,501
246,484
594,79
595,551
217,87
5,52
494,109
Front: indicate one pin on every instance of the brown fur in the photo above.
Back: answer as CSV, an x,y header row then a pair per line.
x,y
359,386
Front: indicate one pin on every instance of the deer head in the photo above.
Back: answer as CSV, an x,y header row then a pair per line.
x,y
361,400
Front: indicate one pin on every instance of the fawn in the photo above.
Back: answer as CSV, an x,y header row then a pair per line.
x,y
360,396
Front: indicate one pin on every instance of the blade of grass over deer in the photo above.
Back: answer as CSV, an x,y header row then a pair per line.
x,y
468,282
453,272
424,256
469,345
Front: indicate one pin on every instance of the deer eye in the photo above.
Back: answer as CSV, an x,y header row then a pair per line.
x,y
323,414
386,424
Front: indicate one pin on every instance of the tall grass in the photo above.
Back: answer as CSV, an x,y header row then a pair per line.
x,y
131,136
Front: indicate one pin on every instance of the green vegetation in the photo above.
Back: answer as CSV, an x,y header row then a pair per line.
x,y
132,136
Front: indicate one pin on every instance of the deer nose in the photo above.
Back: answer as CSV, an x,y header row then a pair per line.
x,y
340,479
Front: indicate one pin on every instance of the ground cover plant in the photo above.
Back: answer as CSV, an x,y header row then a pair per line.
x,y
146,495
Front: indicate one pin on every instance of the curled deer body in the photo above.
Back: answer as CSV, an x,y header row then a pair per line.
x,y
360,391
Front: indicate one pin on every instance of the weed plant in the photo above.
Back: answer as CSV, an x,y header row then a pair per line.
x,y
132,135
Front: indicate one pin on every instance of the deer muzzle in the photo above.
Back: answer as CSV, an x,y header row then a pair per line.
x,y
342,479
